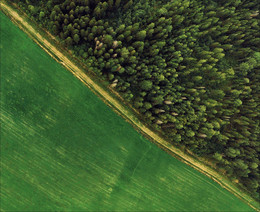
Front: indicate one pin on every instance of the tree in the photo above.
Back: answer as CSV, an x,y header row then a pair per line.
x,y
240,164
147,105
124,52
146,85
41,15
157,99
190,133
117,3
110,4
232,153
108,39
97,12
76,38
218,156
128,5
68,41
32,9
177,138
139,45
141,35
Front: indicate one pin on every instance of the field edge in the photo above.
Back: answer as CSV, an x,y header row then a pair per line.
x,y
50,45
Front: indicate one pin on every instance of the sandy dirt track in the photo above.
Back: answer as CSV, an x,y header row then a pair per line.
x,y
117,105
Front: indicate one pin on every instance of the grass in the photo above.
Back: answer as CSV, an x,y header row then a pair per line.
x,y
62,148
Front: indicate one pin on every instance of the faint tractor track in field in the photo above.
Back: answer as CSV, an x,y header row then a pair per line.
x,y
117,106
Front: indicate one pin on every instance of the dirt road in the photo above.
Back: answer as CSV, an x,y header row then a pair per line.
x,y
117,105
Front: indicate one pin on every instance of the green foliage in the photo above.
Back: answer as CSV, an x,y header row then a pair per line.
x,y
108,39
76,38
193,65
146,85
41,15
32,9
218,156
141,35
124,52
190,133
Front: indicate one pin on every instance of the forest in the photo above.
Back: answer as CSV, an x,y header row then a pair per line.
x,y
191,68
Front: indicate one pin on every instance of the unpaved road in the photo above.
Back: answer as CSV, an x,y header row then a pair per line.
x,y
55,53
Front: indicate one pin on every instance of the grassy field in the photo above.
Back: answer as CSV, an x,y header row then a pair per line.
x,y
62,148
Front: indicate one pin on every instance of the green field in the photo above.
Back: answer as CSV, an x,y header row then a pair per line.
x,y
62,148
